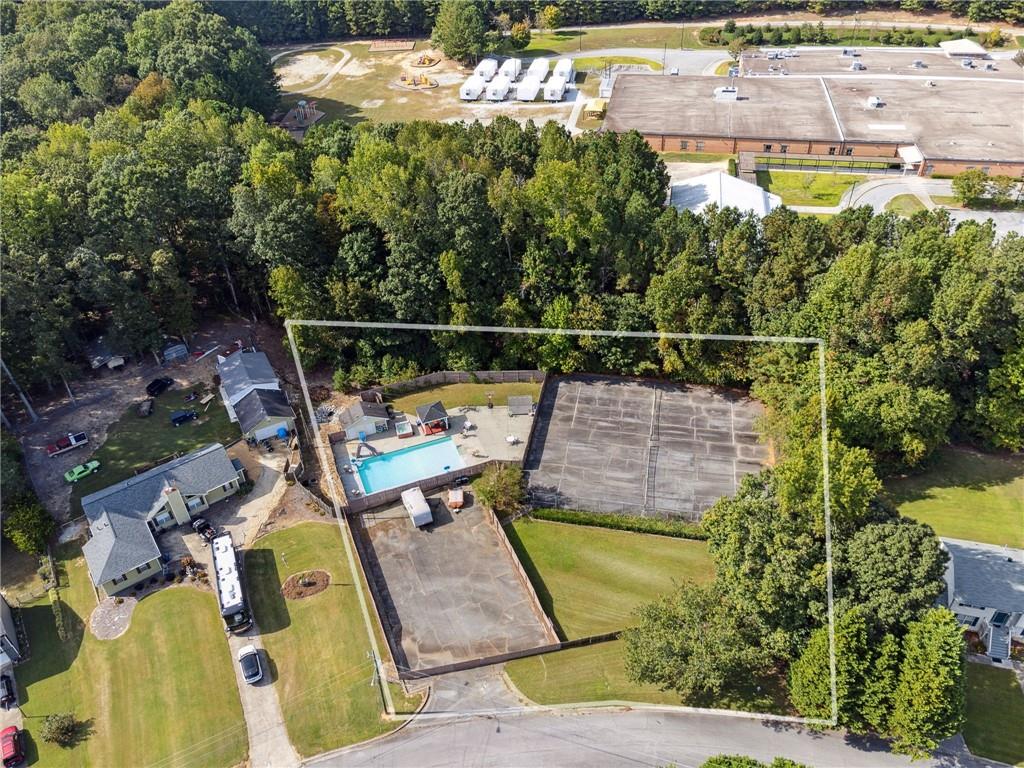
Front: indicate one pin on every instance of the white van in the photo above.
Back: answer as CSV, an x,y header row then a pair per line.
x,y
416,505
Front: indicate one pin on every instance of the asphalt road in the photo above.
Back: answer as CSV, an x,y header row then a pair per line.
x,y
633,738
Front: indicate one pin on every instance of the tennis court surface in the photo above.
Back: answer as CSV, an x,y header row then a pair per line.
x,y
639,447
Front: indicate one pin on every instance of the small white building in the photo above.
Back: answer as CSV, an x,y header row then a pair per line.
x,y
362,418
498,88
956,49
564,68
538,69
554,89
725,191
528,89
486,69
511,68
472,88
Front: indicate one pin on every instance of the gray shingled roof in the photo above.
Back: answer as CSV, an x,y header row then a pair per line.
x,y
356,411
260,405
117,514
987,576
243,369
431,412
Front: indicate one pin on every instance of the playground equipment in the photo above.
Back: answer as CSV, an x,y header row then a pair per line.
x,y
416,82
426,60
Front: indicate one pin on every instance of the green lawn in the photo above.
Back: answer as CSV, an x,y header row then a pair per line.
x,y
694,157
723,67
597,63
597,673
569,40
995,711
905,205
964,494
318,645
795,188
134,442
163,693
454,395
984,204
590,580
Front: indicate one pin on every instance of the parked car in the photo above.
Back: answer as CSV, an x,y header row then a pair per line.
x,y
159,386
180,417
75,474
8,697
12,747
674,71
249,661
204,528
69,442
146,407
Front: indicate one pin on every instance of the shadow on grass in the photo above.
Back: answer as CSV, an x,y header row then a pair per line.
x,y
51,656
547,602
263,579
956,467
333,109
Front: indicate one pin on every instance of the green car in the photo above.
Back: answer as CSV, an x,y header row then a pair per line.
x,y
75,474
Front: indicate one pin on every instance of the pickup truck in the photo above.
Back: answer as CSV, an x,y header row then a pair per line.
x,y
67,443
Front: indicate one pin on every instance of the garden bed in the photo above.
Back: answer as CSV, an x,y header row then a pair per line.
x,y
305,584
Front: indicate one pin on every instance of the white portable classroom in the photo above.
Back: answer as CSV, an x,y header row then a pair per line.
x,y
564,69
472,88
538,69
416,505
528,89
486,69
498,88
554,89
511,68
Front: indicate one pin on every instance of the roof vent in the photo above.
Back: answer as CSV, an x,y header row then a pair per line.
x,y
874,102
726,93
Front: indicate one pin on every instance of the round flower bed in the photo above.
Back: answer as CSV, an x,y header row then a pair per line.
x,y
305,584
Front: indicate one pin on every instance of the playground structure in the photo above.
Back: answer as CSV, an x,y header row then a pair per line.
x,y
301,117
416,82
425,61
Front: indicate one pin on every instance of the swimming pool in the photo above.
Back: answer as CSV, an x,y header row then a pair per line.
x,y
408,465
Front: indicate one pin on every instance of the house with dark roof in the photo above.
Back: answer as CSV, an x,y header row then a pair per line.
x,y
124,518
364,418
10,649
985,589
433,417
251,393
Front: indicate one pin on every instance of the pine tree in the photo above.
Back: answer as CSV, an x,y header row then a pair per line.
x,y
876,704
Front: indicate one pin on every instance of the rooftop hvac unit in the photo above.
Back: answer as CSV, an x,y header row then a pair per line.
x,y
727,93
917,64
874,102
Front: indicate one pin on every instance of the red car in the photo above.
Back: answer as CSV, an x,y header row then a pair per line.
x,y
67,443
12,747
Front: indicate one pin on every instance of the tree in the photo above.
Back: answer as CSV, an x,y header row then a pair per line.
x,y
880,686
969,186
810,680
1000,410
500,489
737,46
459,30
60,728
27,524
519,35
549,18
695,641
740,761
928,704
1001,189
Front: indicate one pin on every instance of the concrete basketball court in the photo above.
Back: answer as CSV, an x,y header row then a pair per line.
x,y
640,447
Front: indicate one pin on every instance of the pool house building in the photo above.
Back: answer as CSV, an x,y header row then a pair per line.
x,y
433,417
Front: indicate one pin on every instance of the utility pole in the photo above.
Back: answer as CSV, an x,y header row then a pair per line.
x,y
21,393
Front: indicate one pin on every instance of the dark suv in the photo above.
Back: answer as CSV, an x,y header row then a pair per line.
x,y
159,386
180,417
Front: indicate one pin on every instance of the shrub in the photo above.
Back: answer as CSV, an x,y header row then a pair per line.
x,y
27,524
61,728
678,529
58,614
732,166
500,489
118,600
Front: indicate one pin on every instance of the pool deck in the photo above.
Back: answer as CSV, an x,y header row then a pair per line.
x,y
486,439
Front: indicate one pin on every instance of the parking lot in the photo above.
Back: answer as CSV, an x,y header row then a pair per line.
x,y
641,447
449,592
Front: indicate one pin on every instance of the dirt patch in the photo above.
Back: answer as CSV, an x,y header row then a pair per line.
x,y
356,68
296,506
305,584
307,67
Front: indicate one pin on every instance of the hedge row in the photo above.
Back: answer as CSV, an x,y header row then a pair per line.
x,y
58,614
675,528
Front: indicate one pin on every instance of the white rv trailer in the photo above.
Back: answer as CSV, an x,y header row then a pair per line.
x,y
564,68
528,89
487,69
538,69
472,88
416,505
229,585
554,89
511,68
498,88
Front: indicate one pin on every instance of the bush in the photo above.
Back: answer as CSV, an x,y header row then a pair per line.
x,y
118,601
519,36
732,166
27,524
58,615
59,729
245,488
676,528
500,489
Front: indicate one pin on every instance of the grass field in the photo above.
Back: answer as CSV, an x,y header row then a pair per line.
x,y
134,442
163,693
568,40
454,395
694,157
964,494
823,189
995,711
866,36
723,67
984,204
905,205
590,580
318,645
597,63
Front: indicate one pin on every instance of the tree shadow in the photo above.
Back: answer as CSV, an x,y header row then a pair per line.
x,y
956,467
547,602
50,656
263,580
333,109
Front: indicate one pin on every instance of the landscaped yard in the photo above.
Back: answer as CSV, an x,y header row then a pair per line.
x,y
598,63
983,204
162,694
137,442
965,494
317,644
569,40
454,395
905,205
796,188
590,580
694,157
995,711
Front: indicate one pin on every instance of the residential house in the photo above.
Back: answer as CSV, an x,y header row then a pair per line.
x,y
252,395
364,418
985,589
124,518
10,650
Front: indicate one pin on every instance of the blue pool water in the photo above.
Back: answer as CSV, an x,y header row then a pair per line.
x,y
409,465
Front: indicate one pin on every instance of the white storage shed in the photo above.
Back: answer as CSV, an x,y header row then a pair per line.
x,y
528,89
472,88
564,69
511,68
554,89
538,69
498,88
487,69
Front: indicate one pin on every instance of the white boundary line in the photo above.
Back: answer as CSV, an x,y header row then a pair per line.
x,y
428,327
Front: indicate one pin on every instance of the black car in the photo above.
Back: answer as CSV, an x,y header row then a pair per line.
x,y
8,698
159,386
180,417
204,528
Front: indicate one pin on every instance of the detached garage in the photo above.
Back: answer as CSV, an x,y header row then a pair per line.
x,y
263,413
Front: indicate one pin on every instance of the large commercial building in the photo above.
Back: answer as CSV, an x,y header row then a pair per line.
x,y
926,126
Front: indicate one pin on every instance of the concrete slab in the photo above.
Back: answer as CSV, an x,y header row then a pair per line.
x,y
641,447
